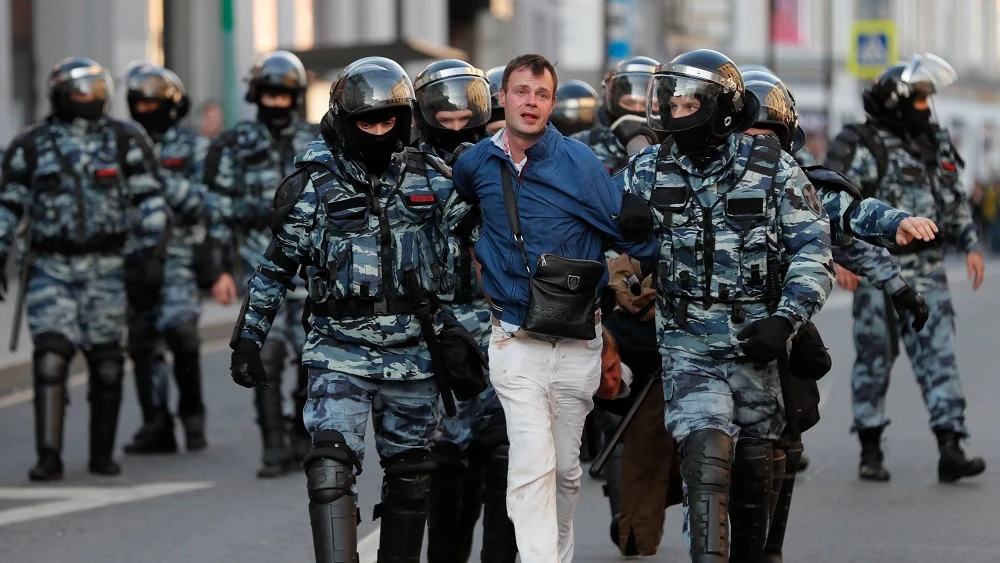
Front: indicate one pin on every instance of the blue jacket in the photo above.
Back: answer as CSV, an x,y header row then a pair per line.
x,y
567,203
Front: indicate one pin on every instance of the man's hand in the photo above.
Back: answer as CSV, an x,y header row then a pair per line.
x,y
247,369
629,127
977,270
845,279
224,289
907,300
919,228
766,338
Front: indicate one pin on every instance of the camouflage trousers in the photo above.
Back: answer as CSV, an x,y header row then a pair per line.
x,y
404,412
931,352
80,297
733,396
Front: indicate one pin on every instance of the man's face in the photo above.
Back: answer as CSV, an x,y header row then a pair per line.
x,y
759,131
276,99
683,106
456,120
211,121
377,129
82,98
528,102
632,103
921,103
147,106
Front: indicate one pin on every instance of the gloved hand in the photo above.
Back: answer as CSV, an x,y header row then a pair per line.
x,y
247,369
635,219
907,300
144,279
766,338
629,127
3,276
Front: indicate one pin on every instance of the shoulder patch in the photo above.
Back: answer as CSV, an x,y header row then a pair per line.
x,y
812,200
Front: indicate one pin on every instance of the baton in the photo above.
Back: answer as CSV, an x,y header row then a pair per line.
x,y
788,394
605,454
22,290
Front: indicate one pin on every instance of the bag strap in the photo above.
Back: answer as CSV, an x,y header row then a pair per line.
x,y
510,203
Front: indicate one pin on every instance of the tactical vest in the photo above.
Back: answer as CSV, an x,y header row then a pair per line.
x,y
365,244
716,251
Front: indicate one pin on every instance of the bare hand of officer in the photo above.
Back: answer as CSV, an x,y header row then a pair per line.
x,y
247,369
766,339
977,269
845,279
224,289
915,228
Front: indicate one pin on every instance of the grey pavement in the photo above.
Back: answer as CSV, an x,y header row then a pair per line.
x,y
236,517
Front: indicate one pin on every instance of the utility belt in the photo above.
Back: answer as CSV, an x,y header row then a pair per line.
x,y
356,307
681,303
917,246
106,244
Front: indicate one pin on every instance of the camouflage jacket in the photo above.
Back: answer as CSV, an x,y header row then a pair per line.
x,y
874,264
356,242
897,176
182,161
111,196
717,228
606,146
243,168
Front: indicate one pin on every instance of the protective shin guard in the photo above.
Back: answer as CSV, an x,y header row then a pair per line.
x,y
472,506
750,499
184,343
51,368
277,457
499,542
779,518
333,515
777,477
105,364
706,464
403,509
444,504
143,358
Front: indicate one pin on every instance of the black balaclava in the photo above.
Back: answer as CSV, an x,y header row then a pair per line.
x,y
67,110
696,142
155,122
275,118
449,140
375,151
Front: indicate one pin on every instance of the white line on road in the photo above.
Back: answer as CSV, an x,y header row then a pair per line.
x,y
77,499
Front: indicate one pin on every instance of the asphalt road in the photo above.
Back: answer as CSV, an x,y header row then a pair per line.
x,y
209,507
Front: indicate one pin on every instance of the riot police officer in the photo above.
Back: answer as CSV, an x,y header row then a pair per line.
x,y
497,121
368,222
724,313
902,156
243,167
577,106
157,101
622,130
90,188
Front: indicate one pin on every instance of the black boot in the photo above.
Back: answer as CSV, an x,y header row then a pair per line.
x,y
333,516
194,432
706,466
750,499
444,504
105,366
779,514
803,463
50,369
499,543
403,509
953,464
156,436
872,458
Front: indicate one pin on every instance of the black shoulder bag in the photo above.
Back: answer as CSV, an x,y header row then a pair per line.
x,y
563,292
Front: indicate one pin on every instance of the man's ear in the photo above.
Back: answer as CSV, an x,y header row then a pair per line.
x,y
502,96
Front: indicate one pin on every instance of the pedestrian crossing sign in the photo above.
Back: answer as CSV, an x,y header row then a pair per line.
x,y
873,47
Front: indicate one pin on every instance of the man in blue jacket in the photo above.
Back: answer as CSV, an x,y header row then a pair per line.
x,y
567,206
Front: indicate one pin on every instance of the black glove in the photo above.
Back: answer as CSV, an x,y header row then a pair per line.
x,y
907,300
629,127
144,280
3,276
247,369
766,338
635,219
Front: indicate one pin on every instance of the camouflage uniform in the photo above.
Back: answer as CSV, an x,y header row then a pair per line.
x,y
927,190
606,146
80,221
182,154
243,168
805,157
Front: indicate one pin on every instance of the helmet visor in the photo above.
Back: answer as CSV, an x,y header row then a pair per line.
x,y
626,93
927,74
574,115
142,86
677,103
98,86
455,103
372,90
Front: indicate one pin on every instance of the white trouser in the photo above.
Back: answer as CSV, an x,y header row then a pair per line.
x,y
546,387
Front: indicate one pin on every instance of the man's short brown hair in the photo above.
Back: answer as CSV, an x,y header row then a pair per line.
x,y
536,63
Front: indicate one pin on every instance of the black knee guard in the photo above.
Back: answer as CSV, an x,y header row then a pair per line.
x,y
750,498
333,515
52,356
403,509
779,517
105,363
444,504
499,543
184,343
706,465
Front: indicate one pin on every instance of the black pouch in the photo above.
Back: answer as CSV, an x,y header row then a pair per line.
x,y
464,361
809,358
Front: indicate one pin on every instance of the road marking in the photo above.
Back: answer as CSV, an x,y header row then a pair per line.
x,y
66,500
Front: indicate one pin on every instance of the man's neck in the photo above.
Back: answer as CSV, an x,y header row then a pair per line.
x,y
518,145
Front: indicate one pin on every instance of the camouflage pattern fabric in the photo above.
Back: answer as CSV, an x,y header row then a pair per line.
x,y
81,221
870,219
606,146
805,157
873,264
926,188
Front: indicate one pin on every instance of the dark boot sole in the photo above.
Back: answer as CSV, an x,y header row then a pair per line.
x,y
39,478
953,477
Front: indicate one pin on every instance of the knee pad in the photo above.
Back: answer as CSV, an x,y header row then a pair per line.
x,y
52,355
447,458
106,364
407,478
184,337
753,459
706,460
330,444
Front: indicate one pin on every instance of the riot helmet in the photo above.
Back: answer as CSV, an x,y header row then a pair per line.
x,y
495,77
576,107
744,69
278,72
79,87
700,94
372,90
624,87
452,103
891,97
777,109
150,83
